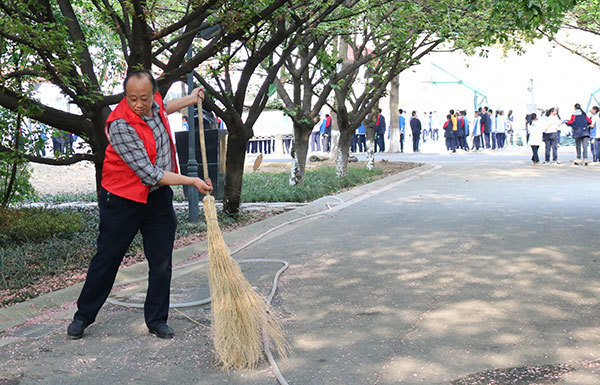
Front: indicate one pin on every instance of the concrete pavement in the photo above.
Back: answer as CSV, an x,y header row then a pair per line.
x,y
482,271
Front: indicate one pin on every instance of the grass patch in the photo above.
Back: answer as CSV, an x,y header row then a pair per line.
x,y
274,187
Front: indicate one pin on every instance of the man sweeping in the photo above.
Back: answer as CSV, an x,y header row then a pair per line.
x,y
139,166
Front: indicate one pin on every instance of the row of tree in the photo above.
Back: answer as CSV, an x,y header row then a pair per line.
x,y
337,53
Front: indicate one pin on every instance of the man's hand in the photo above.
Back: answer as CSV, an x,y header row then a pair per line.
x,y
189,100
202,186
197,92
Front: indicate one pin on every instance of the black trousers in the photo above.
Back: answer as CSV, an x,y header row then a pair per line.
x,y
462,142
354,143
362,143
416,142
326,142
120,220
315,142
551,142
486,137
535,157
379,143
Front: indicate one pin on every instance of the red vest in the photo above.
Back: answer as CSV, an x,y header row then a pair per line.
x,y
117,177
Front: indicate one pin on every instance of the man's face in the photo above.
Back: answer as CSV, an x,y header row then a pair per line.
x,y
139,95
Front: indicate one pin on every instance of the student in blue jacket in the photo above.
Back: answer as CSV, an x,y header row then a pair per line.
x,y
402,128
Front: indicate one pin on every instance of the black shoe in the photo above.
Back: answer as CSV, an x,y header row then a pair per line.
x,y
161,330
76,328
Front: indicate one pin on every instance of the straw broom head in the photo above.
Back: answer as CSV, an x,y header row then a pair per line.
x,y
241,320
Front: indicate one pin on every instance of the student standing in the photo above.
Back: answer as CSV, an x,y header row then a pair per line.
x,y
467,127
486,123
454,117
380,132
449,134
500,129
430,125
527,124
551,125
402,128
326,133
493,128
436,127
460,131
580,126
536,133
415,127
463,130
595,133
476,132
315,140
510,130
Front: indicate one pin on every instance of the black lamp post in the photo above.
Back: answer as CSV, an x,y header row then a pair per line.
x,y
192,165
206,33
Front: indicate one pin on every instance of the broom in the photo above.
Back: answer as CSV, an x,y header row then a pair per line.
x,y
242,324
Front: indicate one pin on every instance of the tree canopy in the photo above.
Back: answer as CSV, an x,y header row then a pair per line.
x,y
584,17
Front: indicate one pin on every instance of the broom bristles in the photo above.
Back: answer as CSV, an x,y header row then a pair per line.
x,y
239,312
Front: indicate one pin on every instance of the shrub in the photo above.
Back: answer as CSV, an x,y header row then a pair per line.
x,y
20,188
36,224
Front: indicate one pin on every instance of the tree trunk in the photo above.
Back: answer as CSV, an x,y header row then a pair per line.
x,y
98,142
370,154
343,153
370,133
13,172
335,136
236,155
299,151
394,128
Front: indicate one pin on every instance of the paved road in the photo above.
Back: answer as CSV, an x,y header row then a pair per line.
x,y
463,272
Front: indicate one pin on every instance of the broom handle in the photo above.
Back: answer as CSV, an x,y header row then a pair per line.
x,y
202,141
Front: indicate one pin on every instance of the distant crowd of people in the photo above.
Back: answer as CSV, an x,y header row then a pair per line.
x,y
486,129
37,135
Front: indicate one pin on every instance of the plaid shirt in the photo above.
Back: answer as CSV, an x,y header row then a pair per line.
x,y
131,149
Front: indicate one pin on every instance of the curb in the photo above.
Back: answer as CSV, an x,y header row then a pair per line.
x,y
19,314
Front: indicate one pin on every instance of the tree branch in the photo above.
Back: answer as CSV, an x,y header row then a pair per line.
x,y
75,124
222,39
17,74
51,161
573,51
87,65
118,25
194,15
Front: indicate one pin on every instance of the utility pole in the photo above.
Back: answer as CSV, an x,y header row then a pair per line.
x,y
531,108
